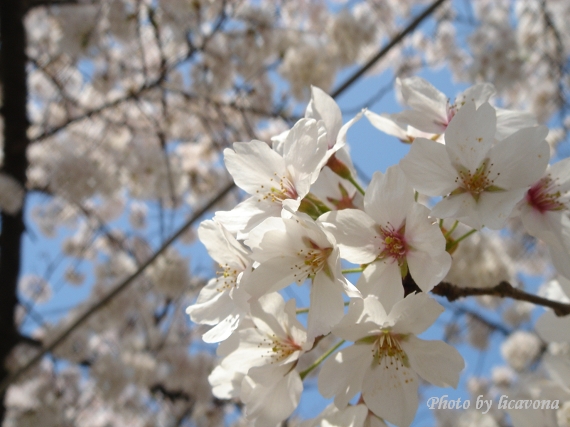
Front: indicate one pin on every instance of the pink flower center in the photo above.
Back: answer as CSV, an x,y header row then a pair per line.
x,y
393,243
544,196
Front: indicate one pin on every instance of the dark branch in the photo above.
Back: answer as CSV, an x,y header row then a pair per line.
x,y
502,290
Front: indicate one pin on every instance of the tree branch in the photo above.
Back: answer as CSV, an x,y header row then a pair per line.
x,y
114,292
397,39
502,290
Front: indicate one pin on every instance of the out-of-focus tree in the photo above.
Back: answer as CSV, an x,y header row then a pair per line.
x,y
114,115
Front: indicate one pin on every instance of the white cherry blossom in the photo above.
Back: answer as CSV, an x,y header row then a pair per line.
x,y
431,110
222,302
259,361
392,235
292,250
274,181
544,213
482,180
386,358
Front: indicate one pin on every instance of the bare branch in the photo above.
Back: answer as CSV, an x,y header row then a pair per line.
x,y
120,287
502,290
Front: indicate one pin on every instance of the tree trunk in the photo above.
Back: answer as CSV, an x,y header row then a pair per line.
x,y
14,96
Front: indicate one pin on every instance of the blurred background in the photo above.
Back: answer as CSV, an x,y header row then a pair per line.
x,y
114,117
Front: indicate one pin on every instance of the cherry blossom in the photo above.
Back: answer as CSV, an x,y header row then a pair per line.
x,y
392,235
222,302
292,250
481,181
259,361
273,181
386,358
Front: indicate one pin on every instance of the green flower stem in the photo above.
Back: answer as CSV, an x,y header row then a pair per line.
x,y
352,270
320,360
452,229
358,187
455,242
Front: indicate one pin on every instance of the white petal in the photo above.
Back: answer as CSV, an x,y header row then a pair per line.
x,y
342,375
546,226
323,107
226,383
561,260
427,259
470,135
429,105
327,305
478,94
561,172
223,330
521,159
428,168
414,314
386,125
355,234
268,314
364,318
428,269
271,276
212,305
389,197
382,279
425,122
559,369
253,164
302,152
270,394
341,137
391,393
461,207
495,208
435,361
221,245
509,121
247,215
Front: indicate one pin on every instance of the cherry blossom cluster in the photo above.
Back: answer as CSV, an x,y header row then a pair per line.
x,y
306,215
130,103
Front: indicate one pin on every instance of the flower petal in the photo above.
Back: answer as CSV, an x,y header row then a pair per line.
x,y
391,392
342,375
414,314
521,158
389,197
253,164
428,168
327,305
470,135
435,361
382,279
355,234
